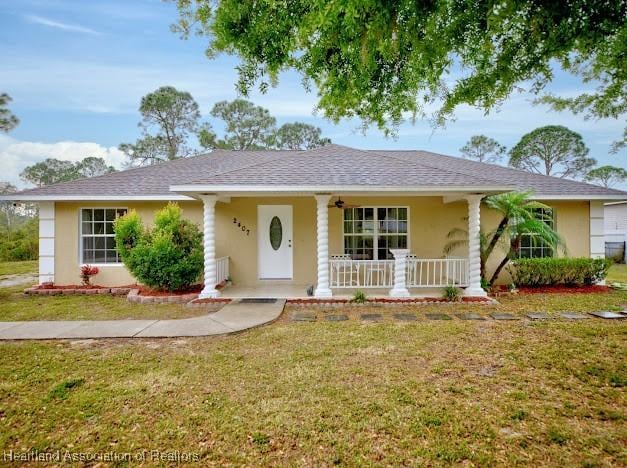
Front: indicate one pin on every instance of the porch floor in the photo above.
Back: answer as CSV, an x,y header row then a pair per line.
x,y
299,291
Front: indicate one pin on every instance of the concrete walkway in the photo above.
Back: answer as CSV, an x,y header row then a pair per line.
x,y
231,318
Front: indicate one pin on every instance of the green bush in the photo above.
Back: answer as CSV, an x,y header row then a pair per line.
x,y
20,244
359,297
452,294
553,271
168,256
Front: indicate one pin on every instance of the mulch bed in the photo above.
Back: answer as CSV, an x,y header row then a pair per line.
x,y
146,291
563,289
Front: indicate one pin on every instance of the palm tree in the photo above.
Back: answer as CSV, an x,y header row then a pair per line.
x,y
521,217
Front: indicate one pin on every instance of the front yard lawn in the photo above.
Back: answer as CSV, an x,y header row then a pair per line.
x,y
18,268
426,393
16,306
617,273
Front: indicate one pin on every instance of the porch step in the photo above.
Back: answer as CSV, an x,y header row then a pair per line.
x,y
258,300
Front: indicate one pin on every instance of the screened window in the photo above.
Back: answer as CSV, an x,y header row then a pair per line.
x,y
530,245
370,232
97,237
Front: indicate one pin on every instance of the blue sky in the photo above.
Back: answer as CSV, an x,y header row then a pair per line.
x,y
77,70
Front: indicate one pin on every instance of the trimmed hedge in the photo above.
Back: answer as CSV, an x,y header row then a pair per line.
x,y
552,271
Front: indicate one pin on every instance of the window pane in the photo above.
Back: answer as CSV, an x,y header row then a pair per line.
x,y
348,214
99,242
359,213
110,243
99,256
110,215
87,215
99,215
121,212
348,227
111,256
381,214
99,228
369,213
402,214
88,256
87,228
88,243
109,228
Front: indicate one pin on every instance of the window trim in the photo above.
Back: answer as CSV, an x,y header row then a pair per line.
x,y
375,234
554,226
80,235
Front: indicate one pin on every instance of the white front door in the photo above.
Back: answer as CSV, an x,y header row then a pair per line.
x,y
274,234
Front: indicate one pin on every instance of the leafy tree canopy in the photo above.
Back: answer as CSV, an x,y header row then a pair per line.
x,y
607,176
52,171
8,121
299,136
172,115
552,150
483,149
380,60
247,126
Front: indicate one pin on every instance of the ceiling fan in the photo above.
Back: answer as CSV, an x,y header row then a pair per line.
x,y
339,203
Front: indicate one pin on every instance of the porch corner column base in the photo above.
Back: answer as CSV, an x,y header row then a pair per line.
x,y
475,292
209,294
399,292
323,293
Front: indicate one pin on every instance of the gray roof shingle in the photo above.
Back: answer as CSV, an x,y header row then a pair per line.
x,y
331,165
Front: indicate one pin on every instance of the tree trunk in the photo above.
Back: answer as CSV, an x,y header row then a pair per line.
x,y
496,273
495,238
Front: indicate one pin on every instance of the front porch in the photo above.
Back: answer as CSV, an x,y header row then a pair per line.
x,y
320,265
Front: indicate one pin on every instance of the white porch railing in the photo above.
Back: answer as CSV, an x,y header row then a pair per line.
x,y
436,272
347,273
421,272
222,269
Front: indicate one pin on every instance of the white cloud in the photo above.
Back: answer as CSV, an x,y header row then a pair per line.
x,y
16,155
60,25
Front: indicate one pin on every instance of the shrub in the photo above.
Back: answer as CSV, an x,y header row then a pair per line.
x,y
167,257
359,297
552,271
451,294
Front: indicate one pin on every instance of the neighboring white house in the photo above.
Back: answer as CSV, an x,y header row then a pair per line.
x,y
616,221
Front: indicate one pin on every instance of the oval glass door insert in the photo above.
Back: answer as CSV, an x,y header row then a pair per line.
x,y
276,233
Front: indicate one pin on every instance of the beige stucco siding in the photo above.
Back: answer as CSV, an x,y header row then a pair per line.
x,y
430,219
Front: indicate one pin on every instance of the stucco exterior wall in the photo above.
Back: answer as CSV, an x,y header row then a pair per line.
x,y
430,219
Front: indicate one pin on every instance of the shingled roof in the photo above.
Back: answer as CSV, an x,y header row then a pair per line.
x,y
331,166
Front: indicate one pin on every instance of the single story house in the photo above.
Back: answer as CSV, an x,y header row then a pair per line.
x,y
334,217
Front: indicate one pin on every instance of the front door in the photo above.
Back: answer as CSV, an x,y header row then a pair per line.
x,y
274,234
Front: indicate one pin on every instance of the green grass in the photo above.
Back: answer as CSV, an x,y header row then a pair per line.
x,y
427,393
14,268
617,273
16,306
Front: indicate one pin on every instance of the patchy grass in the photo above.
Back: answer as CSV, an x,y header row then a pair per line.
x,y
617,273
426,393
15,268
16,306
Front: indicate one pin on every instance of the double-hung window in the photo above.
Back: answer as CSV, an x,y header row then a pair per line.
x,y
533,247
370,232
97,243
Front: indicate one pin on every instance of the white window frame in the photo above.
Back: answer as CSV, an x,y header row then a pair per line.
x,y
81,235
375,233
541,247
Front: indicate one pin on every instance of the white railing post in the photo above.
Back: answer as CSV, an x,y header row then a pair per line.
x,y
209,221
400,273
474,247
322,216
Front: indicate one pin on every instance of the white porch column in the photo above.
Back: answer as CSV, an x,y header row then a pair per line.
x,y
322,288
209,221
474,248
400,273
46,242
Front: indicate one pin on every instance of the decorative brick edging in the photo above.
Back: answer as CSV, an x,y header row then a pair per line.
x,y
385,302
76,291
134,297
198,303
